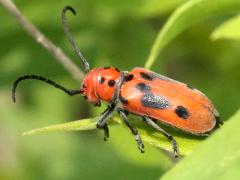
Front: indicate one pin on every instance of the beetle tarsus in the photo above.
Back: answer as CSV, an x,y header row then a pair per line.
x,y
134,131
102,122
175,148
139,142
106,132
150,122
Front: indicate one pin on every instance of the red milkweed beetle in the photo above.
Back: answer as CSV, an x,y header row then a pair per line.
x,y
143,93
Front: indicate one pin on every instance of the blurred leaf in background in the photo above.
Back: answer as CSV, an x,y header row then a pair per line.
x,y
113,32
228,30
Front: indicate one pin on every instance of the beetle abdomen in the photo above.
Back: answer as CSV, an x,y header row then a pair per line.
x,y
168,101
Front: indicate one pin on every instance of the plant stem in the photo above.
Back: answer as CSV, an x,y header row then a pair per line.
x,y
59,55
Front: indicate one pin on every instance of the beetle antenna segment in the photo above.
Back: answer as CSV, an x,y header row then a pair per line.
x,y
40,78
70,38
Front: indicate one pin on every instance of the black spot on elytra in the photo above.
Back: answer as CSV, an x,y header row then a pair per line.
x,y
146,76
102,79
182,112
152,75
123,100
111,83
106,67
143,87
128,77
117,69
154,101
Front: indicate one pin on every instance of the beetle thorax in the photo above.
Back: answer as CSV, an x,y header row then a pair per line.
x,y
100,84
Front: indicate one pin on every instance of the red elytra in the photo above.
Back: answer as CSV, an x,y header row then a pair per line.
x,y
141,92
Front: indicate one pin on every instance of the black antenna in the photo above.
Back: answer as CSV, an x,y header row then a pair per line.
x,y
40,78
70,38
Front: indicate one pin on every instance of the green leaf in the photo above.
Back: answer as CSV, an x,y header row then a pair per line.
x,y
79,125
216,158
185,142
186,15
151,8
228,30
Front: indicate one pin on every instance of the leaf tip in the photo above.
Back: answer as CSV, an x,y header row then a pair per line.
x,y
27,133
214,36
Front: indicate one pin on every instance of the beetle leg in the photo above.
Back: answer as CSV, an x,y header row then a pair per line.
x,y
115,97
102,122
150,122
133,130
106,132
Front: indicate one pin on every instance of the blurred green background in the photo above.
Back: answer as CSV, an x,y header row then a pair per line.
x,y
110,33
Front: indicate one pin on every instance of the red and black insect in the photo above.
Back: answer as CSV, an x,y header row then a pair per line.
x,y
143,93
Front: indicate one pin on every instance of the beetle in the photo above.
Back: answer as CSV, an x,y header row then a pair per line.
x,y
141,92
